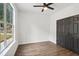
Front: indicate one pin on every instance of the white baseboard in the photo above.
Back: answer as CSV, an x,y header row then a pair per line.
x,y
25,42
53,41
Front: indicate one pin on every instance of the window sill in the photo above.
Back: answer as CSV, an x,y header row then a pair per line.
x,y
7,48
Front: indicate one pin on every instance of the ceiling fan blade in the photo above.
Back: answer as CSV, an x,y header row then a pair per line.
x,y
50,8
49,3
42,10
38,6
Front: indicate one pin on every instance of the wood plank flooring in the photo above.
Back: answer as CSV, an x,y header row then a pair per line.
x,y
43,49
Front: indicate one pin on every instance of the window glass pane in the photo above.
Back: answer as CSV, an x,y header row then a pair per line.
x,y
9,13
1,12
9,21
1,32
2,35
1,23
9,31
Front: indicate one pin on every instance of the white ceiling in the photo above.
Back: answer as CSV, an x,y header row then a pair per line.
x,y
28,7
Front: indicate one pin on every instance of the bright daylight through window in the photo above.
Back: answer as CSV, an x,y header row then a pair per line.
x,y
6,25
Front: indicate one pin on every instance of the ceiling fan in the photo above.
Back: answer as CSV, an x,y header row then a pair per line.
x,y
45,6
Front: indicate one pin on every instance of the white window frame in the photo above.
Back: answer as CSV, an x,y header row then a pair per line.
x,y
6,42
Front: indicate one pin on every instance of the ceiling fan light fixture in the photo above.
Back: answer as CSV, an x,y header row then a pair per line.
x,y
45,8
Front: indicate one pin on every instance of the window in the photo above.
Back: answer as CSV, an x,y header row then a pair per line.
x,y
1,23
6,25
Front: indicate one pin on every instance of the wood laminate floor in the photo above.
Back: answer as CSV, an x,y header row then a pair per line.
x,y
43,49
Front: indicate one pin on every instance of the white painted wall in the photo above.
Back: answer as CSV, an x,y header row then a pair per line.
x,y
11,49
66,12
33,27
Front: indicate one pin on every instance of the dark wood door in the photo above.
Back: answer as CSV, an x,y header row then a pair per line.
x,y
59,36
60,30
68,33
76,33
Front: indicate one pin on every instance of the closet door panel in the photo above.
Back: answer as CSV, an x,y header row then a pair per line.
x,y
66,36
62,33
60,30
71,38
76,34
59,37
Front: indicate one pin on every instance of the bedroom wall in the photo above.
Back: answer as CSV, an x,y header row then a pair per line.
x,y
66,12
34,27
